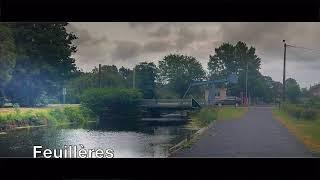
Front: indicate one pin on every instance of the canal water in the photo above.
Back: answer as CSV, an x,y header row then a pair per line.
x,y
127,141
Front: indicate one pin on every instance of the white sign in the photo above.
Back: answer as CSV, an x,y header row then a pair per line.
x,y
64,91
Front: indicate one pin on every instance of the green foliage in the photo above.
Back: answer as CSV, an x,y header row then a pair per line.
x,y
77,115
98,99
43,62
111,77
301,111
146,74
229,59
178,71
204,117
7,55
292,90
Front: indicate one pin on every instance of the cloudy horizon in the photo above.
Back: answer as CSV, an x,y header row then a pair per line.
x,y
126,44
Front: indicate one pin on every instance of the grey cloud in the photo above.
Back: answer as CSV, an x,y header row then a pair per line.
x,y
157,46
186,36
162,31
154,39
84,36
141,24
253,32
126,49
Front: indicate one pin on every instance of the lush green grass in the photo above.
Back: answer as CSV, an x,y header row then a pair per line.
x,y
207,115
203,117
20,117
308,131
231,112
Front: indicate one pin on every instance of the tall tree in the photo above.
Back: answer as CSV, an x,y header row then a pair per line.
x,y
146,74
43,60
178,71
7,58
127,75
292,90
235,59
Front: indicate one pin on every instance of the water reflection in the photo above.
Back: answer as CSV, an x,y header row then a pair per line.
x,y
127,138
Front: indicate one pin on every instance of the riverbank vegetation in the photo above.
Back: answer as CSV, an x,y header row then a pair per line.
x,y
11,118
111,99
303,120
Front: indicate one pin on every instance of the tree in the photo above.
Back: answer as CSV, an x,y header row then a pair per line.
x,y
305,92
110,78
146,74
7,58
292,90
178,71
277,90
43,61
127,75
229,59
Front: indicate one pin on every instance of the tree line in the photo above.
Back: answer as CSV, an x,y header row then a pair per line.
x,y
36,63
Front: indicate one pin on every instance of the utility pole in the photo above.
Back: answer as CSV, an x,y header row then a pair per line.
x,y
247,84
134,78
64,92
99,75
284,72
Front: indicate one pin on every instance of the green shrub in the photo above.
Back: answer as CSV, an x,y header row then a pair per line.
x,y
204,117
301,111
58,114
98,99
309,114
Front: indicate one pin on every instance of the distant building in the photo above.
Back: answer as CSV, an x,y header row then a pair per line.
x,y
221,93
315,90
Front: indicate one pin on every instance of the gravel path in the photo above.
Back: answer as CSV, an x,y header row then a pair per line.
x,y
256,134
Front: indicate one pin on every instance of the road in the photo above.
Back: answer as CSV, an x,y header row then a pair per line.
x,y
256,134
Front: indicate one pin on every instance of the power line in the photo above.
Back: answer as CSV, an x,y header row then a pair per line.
x,y
300,47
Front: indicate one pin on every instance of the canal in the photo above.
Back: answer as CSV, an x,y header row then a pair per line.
x,y
127,141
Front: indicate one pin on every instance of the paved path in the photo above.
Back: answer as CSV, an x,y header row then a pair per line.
x,y
256,134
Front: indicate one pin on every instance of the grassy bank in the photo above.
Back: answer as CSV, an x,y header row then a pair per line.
x,y
306,130
11,118
207,115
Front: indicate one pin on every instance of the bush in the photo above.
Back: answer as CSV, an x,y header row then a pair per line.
x,y
309,114
100,99
204,117
300,111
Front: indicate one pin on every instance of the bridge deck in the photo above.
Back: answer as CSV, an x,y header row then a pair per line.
x,y
169,103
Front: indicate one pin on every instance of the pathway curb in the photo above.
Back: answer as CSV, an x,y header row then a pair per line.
x,y
193,137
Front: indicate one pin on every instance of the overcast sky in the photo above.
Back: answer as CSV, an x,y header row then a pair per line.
x,y
126,44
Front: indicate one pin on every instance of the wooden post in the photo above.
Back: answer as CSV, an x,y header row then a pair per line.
x,y
284,73
99,75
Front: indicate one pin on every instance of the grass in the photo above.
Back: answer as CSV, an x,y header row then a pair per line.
x,y
225,113
307,131
207,115
202,118
11,118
